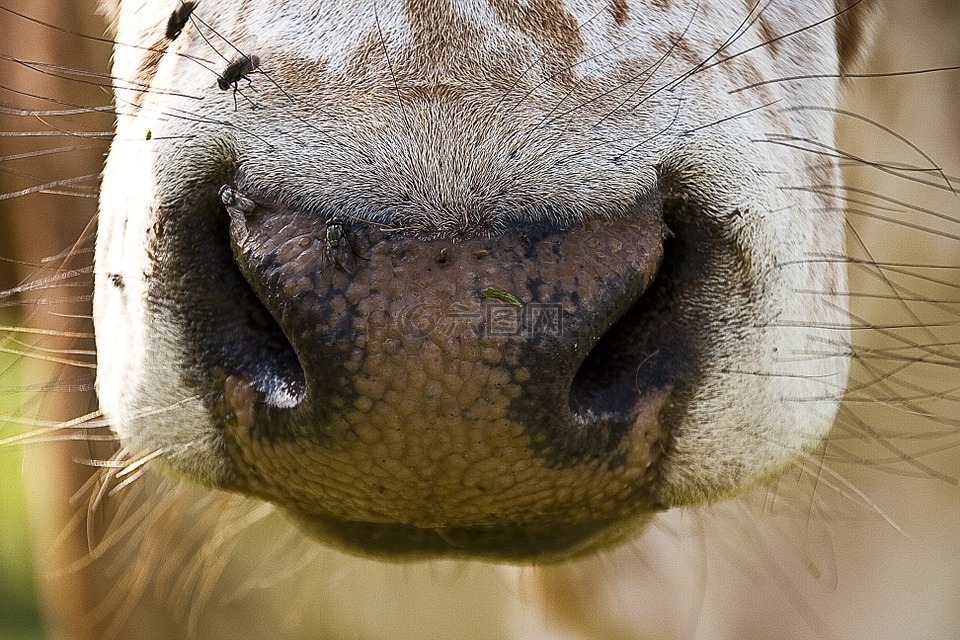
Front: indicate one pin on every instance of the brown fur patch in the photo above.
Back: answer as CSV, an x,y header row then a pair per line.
x,y
620,11
441,35
147,70
549,25
854,24
769,34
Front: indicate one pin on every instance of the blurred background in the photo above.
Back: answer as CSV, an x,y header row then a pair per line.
x,y
51,150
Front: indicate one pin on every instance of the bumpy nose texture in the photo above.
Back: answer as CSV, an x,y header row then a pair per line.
x,y
439,371
365,308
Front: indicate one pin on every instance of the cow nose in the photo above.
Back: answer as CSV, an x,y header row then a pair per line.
x,y
469,328
448,380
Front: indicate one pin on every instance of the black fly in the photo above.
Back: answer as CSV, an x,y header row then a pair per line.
x,y
178,19
238,69
337,248
236,202
239,207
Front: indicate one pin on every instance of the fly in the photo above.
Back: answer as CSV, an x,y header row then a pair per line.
x,y
337,248
236,202
238,69
178,19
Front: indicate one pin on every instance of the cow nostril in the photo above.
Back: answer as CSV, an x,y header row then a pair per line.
x,y
228,329
655,344
607,386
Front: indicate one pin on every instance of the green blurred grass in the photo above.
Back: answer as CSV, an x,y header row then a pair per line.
x,y
19,610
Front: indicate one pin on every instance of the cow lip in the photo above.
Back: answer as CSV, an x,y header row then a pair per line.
x,y
531,544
